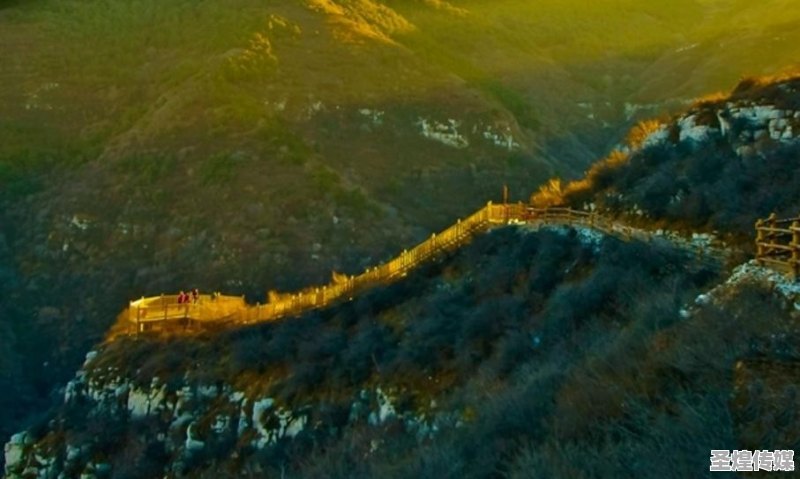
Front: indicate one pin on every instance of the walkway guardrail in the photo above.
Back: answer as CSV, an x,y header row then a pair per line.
x,y
162,311
778,244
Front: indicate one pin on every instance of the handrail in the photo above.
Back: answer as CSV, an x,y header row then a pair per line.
x,y
147,312
779,248
786,220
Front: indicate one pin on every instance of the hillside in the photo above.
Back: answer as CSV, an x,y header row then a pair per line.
x,y
523,352
488,345
557,352
149,146
725,162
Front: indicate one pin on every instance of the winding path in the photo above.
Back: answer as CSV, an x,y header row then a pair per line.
x,y
160,312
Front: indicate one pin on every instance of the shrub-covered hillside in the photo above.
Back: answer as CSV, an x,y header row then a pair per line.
x,y
553,353
244,145
523,352
726,162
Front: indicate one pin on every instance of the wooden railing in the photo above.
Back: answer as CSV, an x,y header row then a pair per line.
x,y
147,313
778,244
151,313
344,287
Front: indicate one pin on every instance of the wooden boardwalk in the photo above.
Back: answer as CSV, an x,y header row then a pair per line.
x,y
155,312
162,312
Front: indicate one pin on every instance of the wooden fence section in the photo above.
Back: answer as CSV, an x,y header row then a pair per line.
x,y
778,244
154,313
346,287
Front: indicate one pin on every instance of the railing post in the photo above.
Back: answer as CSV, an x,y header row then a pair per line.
x,y
759,240
795,248
771,235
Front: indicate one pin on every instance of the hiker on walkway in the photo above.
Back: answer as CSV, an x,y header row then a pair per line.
x,y
183,298
195,296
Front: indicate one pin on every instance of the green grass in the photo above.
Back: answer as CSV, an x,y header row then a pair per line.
x,y
148,169
288,146
512,100
325,180
355,202
16,183
129,32
23,170
218,169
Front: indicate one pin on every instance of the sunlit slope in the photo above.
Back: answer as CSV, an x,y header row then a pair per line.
x,y
114,78
288,84
740,38
134,75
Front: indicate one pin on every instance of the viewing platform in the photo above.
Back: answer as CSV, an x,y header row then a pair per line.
x,y
146,314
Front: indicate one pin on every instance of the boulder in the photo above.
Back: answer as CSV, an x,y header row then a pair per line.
x,y
14,451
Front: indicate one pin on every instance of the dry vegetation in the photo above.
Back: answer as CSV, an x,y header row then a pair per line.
x,y
555,193
535,340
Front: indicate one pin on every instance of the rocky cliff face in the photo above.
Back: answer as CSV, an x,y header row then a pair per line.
x,y
188,422
753,119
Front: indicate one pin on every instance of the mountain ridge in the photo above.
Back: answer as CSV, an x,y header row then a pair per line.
x,y
156,145
520,352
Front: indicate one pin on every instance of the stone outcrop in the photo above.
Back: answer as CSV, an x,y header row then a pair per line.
x,y
187,419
